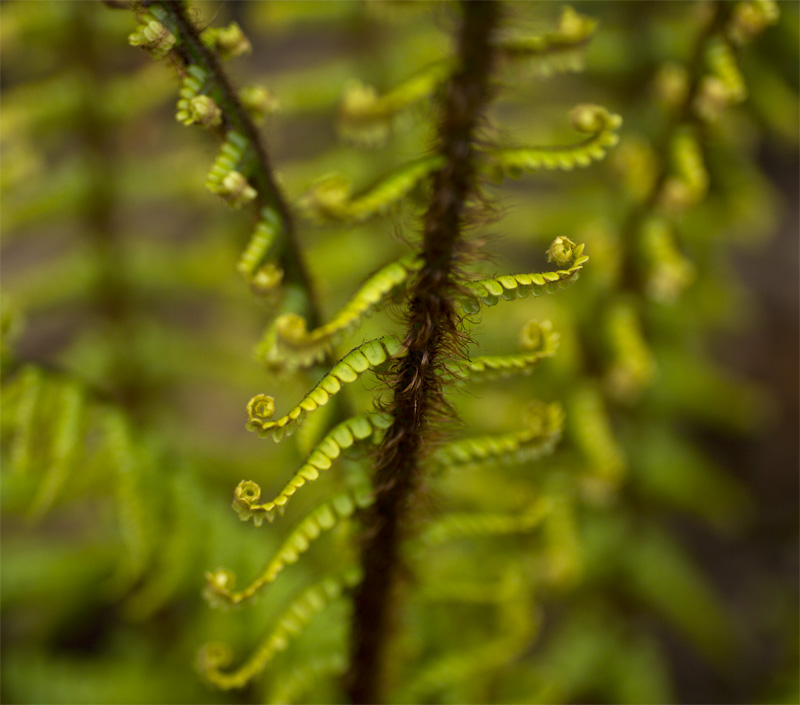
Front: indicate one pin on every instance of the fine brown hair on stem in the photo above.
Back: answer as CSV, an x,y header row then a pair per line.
x,y
433,335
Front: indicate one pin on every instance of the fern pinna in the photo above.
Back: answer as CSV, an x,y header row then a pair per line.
x,y
454,458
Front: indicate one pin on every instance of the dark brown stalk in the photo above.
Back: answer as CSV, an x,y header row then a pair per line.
x,y
433,333
191,50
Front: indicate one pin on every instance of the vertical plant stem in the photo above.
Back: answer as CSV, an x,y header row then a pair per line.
x,y
192,50
432,335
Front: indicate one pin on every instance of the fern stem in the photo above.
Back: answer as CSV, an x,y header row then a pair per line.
x,y
192,51
432,335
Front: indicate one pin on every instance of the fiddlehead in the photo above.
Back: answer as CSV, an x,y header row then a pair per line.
x,y
292,344
362,427
592,119
489,292
365,357
215,657
220,583
330,199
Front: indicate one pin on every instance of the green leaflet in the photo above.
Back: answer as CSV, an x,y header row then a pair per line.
x,y
519,286
294,345
544,424
216,656
555,52
539,336
291,686
592,119
330,199
357,428
366,118
365,357
468,525
219,584
65,444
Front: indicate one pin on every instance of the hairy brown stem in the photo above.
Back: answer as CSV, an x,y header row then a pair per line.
x,y
432,333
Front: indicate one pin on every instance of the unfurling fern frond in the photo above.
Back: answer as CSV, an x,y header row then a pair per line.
x,y
633,367
290,687
216,656
687,183
66,443
667,271
331,200
470,525
544,424
592,119
133,520
31,384
257,263
219,590
536,336
225,179
519,286
366,356
367,118
291,344
555,52
357,428
591,430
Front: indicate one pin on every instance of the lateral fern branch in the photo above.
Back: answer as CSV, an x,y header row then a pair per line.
x,y
191,51
432,334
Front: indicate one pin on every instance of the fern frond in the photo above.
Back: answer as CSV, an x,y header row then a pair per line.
x,y
66,444
216,656
219,584
564,560
537,336
469,525
687,183
544,425
290,687
365,357
591,430
667,271
751,18
489,292
257,263
229,42
554,52
31,384
366,117
330,199
292,344
130,506
592,119
633,366
225,179
343,436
